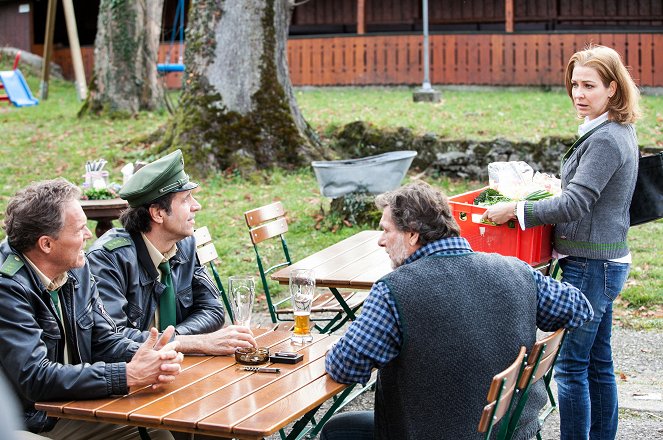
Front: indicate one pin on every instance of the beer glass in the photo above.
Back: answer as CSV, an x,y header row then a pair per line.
x,y
242,295
302,289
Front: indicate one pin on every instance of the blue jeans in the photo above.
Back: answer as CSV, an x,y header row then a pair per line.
x,y
584,373
355,425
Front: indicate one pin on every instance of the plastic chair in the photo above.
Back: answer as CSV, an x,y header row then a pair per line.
x,y
334,308
206,252
540,364
500,394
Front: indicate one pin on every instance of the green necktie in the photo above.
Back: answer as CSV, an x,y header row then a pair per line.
x,y
56,300
167,300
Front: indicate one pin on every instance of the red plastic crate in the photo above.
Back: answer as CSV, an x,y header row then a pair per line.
x,y
533,245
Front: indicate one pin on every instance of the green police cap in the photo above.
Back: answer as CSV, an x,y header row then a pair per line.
x,y
163,176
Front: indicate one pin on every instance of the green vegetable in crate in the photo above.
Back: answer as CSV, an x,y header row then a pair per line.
x,y
538,195
490,197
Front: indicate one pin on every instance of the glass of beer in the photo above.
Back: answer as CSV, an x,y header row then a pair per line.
x,y
242,294
302,289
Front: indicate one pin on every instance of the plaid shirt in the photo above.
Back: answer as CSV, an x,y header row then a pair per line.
x,y
375,338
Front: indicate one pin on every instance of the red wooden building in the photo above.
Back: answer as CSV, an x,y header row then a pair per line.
x,y
374,42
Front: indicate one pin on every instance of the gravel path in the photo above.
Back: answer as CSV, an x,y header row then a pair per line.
x,y
639,368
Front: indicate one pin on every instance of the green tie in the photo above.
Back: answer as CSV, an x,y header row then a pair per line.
x,y
167,300
56,300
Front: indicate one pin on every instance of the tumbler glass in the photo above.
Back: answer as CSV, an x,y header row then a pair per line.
x,y
242,295
302,289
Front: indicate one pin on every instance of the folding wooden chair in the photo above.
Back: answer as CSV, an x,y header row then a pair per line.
x,y
540,364
502,389
333,308
206,252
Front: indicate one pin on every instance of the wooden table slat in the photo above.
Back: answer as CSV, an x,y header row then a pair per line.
x,y
122,407
230,416
189,416
359,264
88,407
362,240
289,408
155,412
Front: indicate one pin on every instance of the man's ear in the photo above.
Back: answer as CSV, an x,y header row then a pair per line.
x,y
45,244
413,238
156,214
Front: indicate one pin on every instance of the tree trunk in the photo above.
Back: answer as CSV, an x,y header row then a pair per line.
x,y
125,53
237,108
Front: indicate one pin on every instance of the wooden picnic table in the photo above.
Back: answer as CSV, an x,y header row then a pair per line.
x,y
354,263
104,212
213,396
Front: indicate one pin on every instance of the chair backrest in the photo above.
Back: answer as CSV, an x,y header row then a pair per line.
x,y
502,389
206,253
267,222
541,359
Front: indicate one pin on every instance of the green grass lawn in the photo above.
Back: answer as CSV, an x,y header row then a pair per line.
x,y
49,140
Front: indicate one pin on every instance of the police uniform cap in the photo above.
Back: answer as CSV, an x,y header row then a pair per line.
x,y
163,176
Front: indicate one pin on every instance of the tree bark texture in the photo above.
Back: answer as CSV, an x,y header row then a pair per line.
x,y
237,107
126,49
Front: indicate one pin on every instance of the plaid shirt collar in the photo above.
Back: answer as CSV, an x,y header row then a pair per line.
x,y
443,246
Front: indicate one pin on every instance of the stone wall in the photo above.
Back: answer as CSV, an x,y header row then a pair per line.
x,y
460,158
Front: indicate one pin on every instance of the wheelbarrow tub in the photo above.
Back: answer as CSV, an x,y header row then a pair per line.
x,y
374,174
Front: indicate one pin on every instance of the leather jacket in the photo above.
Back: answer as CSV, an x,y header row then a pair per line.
x,y
32,339
127,282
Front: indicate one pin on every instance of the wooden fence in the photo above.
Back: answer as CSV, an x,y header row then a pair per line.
x,y
464,59
484,59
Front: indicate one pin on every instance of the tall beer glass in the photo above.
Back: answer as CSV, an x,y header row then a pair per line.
x,y
242,295
302,289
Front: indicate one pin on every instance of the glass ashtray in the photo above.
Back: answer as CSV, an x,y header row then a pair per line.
x,y
252,356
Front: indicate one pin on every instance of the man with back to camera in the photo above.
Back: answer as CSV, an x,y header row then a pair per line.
x,y
57,341
148,273
441,325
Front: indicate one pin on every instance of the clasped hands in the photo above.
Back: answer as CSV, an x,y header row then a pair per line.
x,y
156,362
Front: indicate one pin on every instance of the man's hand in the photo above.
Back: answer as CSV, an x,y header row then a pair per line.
x,y
221,342
500,212
156,362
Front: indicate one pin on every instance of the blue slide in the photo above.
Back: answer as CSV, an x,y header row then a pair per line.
x,y
17,89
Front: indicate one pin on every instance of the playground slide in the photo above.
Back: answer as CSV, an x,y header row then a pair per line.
x,y
17,89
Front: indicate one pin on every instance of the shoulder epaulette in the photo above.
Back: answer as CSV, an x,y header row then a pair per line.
x,y
116,243
11,265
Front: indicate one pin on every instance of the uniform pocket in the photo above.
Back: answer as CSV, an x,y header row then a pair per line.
x,y
185,297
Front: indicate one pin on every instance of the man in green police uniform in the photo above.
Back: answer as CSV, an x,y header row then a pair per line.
x,y
57,341
148,273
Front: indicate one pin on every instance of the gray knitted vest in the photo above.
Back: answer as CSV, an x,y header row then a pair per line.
x,y
463,319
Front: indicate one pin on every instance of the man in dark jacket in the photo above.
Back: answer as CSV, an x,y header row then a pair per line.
x,y
148,273
57,341
441,325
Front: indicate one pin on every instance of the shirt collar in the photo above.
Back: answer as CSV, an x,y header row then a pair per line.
x,y
156,256
443,246
588,125
51,285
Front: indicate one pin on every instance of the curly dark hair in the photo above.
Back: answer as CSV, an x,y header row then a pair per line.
x,y
418,207
38,210
138,219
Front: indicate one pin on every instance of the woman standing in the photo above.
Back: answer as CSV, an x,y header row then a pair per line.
x,y
591,218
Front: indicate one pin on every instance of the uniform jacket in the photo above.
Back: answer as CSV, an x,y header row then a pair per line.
x,y
128,286
32,339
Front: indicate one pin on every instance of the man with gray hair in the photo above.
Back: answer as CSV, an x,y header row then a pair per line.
x,y
57,341
441,325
